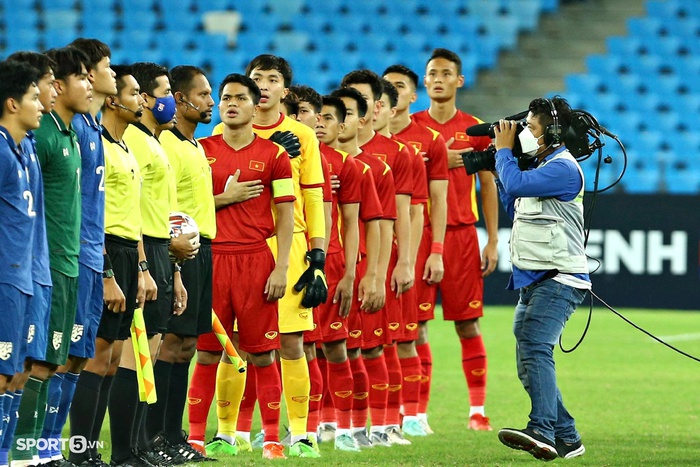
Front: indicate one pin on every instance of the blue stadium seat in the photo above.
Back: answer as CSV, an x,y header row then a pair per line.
x,y
527,12
623,46
641,180
287,42
15,19
54,38
136,40
505,28
48,5
661,9
94,8
317,24
180,20
682,182
644,27
253,43
584,84
95,25
285,7
23,39
328,8
61,19
334,43
211,43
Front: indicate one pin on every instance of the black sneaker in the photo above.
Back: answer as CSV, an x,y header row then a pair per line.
x,y
159,451
155,458
59,463
132,461
189,454
530,441
569,451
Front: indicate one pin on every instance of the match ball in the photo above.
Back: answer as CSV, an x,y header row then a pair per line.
x,y
181,223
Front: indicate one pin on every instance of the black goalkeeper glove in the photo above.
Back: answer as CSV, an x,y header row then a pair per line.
x,y
314,279
288,141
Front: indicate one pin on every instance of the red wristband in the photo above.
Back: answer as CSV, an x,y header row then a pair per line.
x,y
436,247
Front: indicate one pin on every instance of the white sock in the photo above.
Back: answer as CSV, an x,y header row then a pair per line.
x,y
358,430
423,417
409,418
477,409
342,431
378,429
227,438
244,434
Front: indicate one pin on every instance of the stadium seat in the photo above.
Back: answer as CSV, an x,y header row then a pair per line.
x,y
54,38
285,8
682,182
644,27
287,42
50,5
641,180
98,25
61,19
135,40
661,9
180,20
24,39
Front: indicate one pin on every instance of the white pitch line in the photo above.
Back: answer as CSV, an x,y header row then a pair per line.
x,y
681,337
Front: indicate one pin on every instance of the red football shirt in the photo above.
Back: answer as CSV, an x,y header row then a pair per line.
x,y
249,222
461,191
396,155
385,188
420,182
344,166
327,172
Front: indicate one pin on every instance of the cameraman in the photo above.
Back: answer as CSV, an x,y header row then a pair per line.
x,y
549,267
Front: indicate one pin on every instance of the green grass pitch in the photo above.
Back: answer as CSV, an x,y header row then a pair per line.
x,y
635,401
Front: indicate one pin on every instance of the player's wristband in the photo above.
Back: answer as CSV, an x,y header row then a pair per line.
x,y
436,248
107,262
177,267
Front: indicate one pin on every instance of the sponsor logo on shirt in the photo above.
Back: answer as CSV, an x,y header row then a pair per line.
x,y
271,334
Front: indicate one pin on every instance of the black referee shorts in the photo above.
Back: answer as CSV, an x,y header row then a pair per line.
x,y
124,255
197,277
157,313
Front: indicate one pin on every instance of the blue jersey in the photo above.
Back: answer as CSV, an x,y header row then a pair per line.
x,y
17,216
40,247
92,187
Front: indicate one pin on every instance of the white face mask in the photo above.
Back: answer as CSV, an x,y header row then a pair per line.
x,y
528,142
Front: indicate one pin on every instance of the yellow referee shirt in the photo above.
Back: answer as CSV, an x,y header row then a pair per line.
x,y
195,195
307,174
122,190
158,192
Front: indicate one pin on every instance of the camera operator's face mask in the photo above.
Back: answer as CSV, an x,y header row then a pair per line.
x,y
529,142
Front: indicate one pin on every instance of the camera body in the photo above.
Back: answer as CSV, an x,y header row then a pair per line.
x,y
475,161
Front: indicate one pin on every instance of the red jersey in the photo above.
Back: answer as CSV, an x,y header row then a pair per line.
x,y
344,166
250,222
420,182
327,172
386,192
397,156
461,191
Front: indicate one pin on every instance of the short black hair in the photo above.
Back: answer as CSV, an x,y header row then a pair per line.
x,y
338,104
181,77
352,93
121,71
403,70
541,109
364,77
243,80
447,55
291,102
15,79
69,61
271,62
308,94
146,74
94,49
391,92
41,62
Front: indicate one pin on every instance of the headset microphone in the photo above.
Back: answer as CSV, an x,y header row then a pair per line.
x,y
137,113
202,115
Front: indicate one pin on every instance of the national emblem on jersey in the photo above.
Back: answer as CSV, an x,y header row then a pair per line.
x,y
381,157
461,136
30,333
257,166
77,333
57,340
5,350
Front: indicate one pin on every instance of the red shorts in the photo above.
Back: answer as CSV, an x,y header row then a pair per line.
x,y
374,328
355,318
426,294
462,288
393,307
239,279
313,336
332,326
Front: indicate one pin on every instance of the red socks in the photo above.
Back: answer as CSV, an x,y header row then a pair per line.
x,y
410,390
245,413
314,396
269,390
378,389
474,366
199,397
393,366
426,364
341,387
360,396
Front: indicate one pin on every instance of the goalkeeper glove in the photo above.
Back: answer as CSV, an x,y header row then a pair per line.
x,y
314,280
288,141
